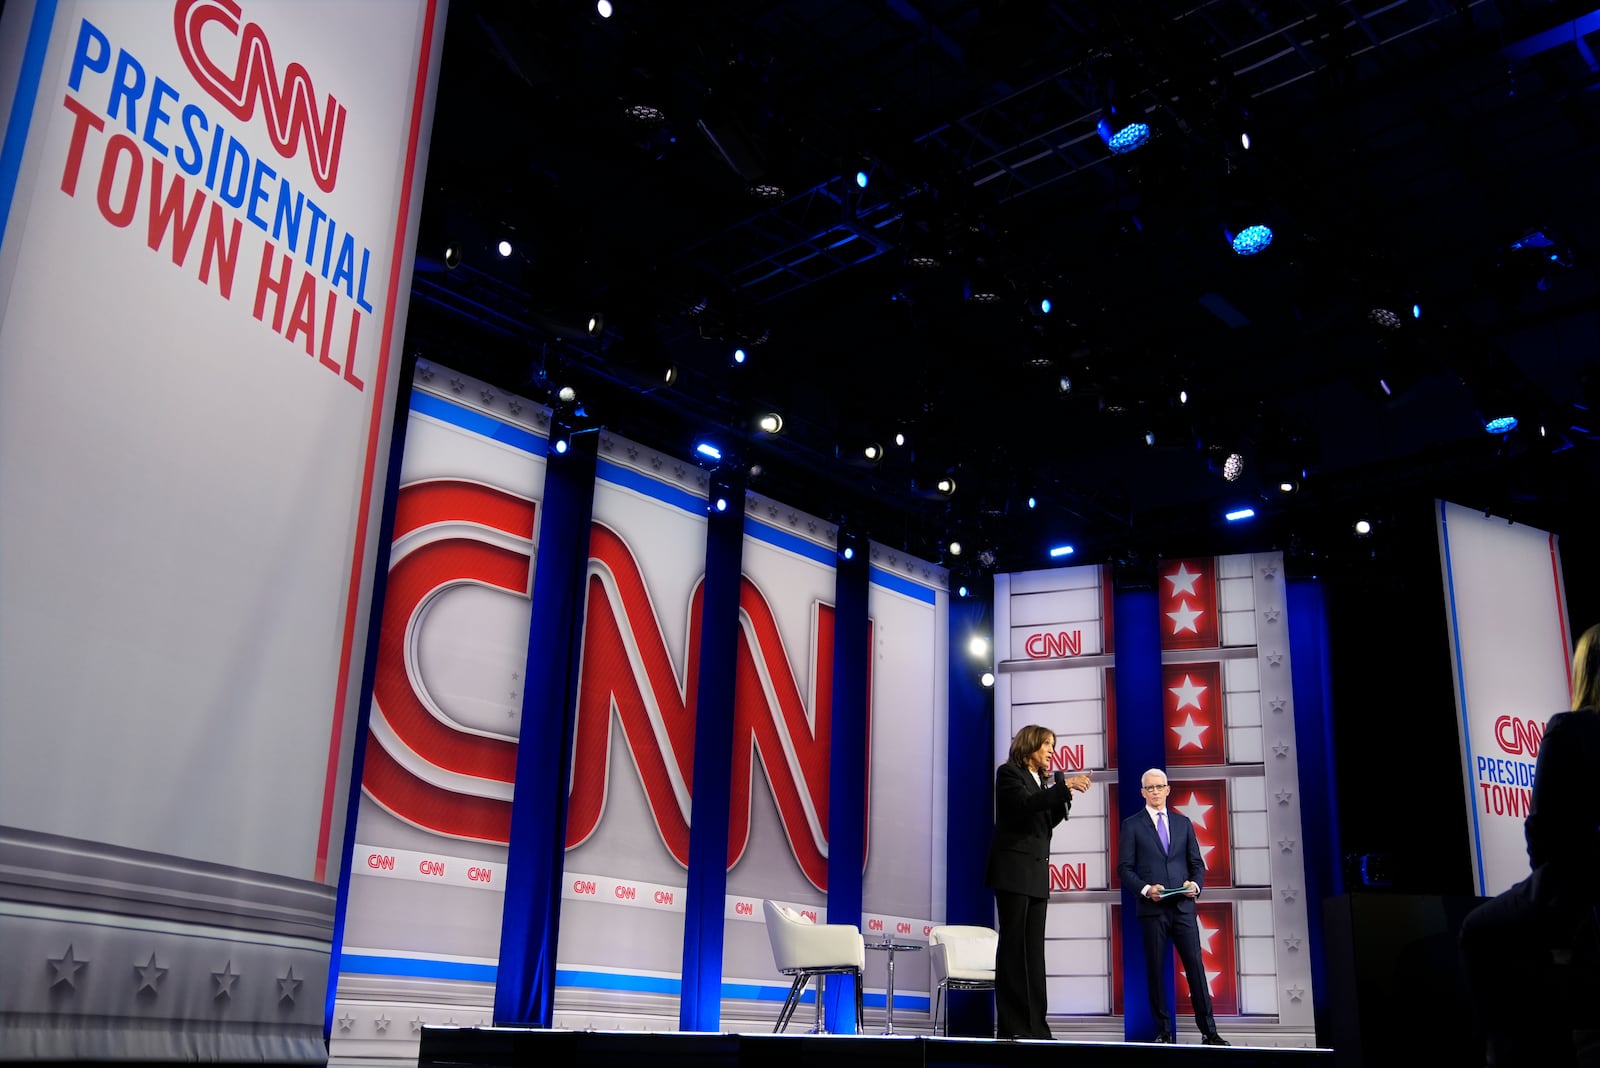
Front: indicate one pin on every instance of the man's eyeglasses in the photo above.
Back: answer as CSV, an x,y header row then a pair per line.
x,y
1162,786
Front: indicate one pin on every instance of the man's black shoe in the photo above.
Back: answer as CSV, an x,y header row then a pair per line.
x,y
1214,1039
1165,1038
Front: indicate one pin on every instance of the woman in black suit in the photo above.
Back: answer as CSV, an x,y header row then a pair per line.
x,y
1027,806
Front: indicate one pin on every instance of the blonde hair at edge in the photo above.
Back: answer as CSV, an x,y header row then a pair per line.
x,y
1586,670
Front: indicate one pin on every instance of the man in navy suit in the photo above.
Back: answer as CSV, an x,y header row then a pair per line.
x,y
1159,860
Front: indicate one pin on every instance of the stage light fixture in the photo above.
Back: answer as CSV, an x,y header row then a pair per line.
x,y
1416,311
1363,528
1251,240
504,248
669,375
1059,551
849,553
946,486
770,422
603,8
1183,396
872,453
1500,424
955,548
1121,138
900,440
596,323
708,451
566,394
1244,140
722,504
1233,467
769,191
561,447
986,557
452,257
1045,306
987,678
739,356
1239,513
1287,486
1384,319
978,646
1064,384
1032,503
861,179
961,591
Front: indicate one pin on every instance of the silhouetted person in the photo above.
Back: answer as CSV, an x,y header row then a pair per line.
x,y
1531,954
1027,806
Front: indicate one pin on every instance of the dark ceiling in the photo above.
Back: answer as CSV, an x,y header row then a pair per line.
x,y
1403,153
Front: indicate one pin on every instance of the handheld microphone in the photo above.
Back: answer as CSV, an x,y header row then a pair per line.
x,y
1060,777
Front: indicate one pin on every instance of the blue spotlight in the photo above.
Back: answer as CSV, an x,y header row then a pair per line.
x,y
1124,140
849,553
738,356
961,591
1058,551
722,504
1044,306
1503,424
561,446
1238,514
1033,502
708,450
861,179
1416,311
1251,239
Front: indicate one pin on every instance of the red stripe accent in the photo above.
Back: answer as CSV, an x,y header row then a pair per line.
x,y
1561,612
380,407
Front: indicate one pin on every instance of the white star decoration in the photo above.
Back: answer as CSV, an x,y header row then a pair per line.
x,y
1189,733
1277,704
382,1024
1183,580
1274,659
149,975
1206,935
1195,810
1286,844
225,980
1269,570
1283,796
288,986
1271,615
346,1021
416,1025
1292,943
1183,619
1295,993
1280,749
1290,893
64,969
1188,693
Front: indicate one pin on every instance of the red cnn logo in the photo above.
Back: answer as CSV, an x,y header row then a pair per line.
x,y
455,782
1048,646
288,103
1518,736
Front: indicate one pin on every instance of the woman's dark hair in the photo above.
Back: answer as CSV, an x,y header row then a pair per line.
x,y
1028,741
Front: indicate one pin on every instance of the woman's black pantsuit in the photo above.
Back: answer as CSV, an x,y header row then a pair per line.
x,y
1019,871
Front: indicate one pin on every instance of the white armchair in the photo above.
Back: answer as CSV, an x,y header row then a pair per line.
x,y
962,958
804,949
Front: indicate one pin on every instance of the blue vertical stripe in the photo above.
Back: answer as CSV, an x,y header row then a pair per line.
x,y
847,785
700,1003
1140,745
1319,803
22,105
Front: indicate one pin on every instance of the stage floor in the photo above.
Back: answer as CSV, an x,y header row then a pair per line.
x,y
490,1047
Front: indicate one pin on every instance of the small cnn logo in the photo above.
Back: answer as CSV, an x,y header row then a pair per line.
x,y
288,101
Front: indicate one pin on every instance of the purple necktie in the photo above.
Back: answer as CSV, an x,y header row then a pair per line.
x,y
1161,830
